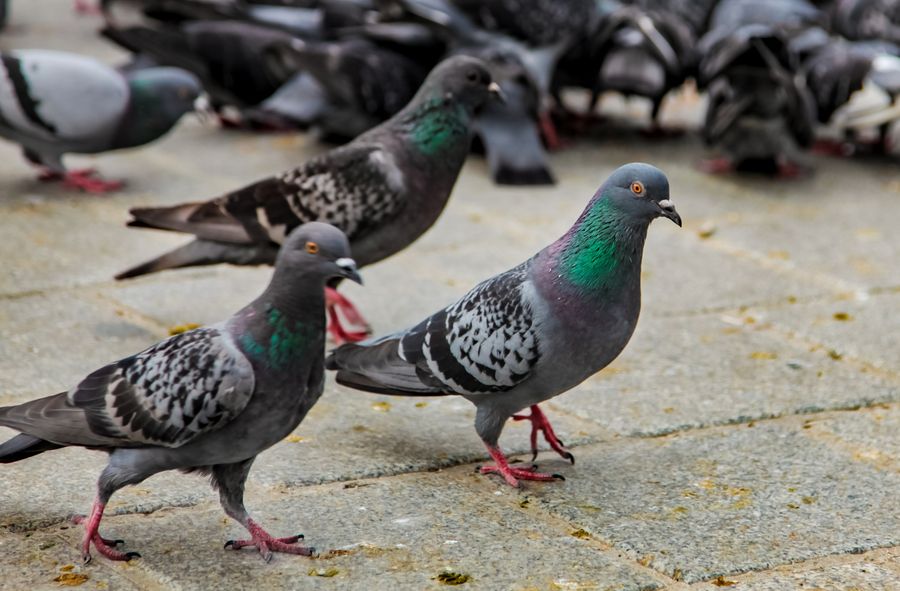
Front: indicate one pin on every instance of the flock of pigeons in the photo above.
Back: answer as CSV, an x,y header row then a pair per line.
x,y
209,400
775,72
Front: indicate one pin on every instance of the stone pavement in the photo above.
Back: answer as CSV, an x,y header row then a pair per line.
x,y
746,439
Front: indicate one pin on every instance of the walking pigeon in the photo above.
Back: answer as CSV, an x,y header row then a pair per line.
x,y
208,400
53,103
384,189
535,331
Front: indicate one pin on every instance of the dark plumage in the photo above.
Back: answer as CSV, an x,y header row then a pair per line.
x,y
208,400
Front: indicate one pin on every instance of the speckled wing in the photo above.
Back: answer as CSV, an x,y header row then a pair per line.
x,y
355,187
168,394
485,342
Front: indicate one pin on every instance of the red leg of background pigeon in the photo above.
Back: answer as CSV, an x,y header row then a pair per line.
x,y
716,166
513,475
103,545
334,301
266,544
540,422
87,7
548,130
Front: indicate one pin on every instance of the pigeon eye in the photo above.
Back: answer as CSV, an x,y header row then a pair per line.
x,y
637,187
312,247
473,76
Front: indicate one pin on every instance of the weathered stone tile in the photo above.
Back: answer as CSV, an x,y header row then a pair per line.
x,y
724,501
392,533
701,370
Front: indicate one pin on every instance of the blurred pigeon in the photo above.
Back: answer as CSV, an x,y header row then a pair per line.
x,y
240,64
760,113
867,19
536,22
208,400
512,64
53,103
384,189
533,332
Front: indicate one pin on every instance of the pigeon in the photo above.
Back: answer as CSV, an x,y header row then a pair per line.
x,y
525,71
240,64
384,189
530,333
760,113
867,19
53,103
537,22
208,400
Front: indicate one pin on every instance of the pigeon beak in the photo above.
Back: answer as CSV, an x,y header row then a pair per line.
x,y
667,209
495,91
348,269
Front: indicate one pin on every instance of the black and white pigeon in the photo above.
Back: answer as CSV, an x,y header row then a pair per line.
x,y
54,103
208,400
384,189
533,332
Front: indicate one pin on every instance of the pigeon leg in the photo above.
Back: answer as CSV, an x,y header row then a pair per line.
x,y
716,166
513,475
540,422
230,479
86,7
334,301
549,132
105,546
84,179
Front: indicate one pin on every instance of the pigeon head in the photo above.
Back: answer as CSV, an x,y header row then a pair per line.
x,y
603,249
461,79
174,90
640,193
320,249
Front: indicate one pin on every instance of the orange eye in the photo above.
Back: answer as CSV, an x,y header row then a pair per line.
x,y
637,187
312,247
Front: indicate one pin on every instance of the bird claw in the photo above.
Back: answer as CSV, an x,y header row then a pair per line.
x,y
266,544
539,422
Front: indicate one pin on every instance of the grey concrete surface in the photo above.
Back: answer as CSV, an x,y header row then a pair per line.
x,y
746,438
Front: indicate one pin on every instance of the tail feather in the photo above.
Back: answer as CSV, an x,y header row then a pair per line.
x,y
24,446
205,219
198,253
377,367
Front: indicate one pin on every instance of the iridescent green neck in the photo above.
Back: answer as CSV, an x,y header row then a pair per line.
x,y
600,248
284,342
438,124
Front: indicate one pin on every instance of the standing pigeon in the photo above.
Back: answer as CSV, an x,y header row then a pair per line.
x,y
384,189
53,103
533,332
208,400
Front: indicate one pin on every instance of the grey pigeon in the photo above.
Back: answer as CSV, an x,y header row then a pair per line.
x,y
533,332
53,103
384,189
208,400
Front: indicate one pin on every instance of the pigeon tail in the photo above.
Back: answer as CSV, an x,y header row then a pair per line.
x,y
376,366
198,253
24,446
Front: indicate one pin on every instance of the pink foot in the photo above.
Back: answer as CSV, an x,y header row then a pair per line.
x,y
549,132
716,166
540,422
104,546
513,475
334,301
87,7
83,179
266,544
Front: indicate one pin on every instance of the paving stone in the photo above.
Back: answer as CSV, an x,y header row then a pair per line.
x,y
874,571
46,560
48,343
868,434
696,371
401,533
724,501
865,328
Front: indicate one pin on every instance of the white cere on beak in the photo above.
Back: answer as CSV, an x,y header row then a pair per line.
x,y
346,263
666,204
